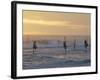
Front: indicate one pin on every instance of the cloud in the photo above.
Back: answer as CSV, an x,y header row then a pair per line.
x,y
54,23
54,27
46,22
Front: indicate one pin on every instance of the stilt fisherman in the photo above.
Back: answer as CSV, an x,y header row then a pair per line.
x,y
64,44
34,46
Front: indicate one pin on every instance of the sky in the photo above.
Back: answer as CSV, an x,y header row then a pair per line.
x,y
55,23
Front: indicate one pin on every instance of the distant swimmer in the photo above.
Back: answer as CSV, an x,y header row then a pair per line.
x,y
34,46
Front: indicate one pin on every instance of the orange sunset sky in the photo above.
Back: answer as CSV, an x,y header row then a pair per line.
x,y
55,23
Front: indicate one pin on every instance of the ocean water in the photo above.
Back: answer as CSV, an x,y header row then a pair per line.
x,y
50,52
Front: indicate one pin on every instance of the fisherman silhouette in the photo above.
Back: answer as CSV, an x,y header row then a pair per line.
x,y
85,44
64,44
34,46
74,44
